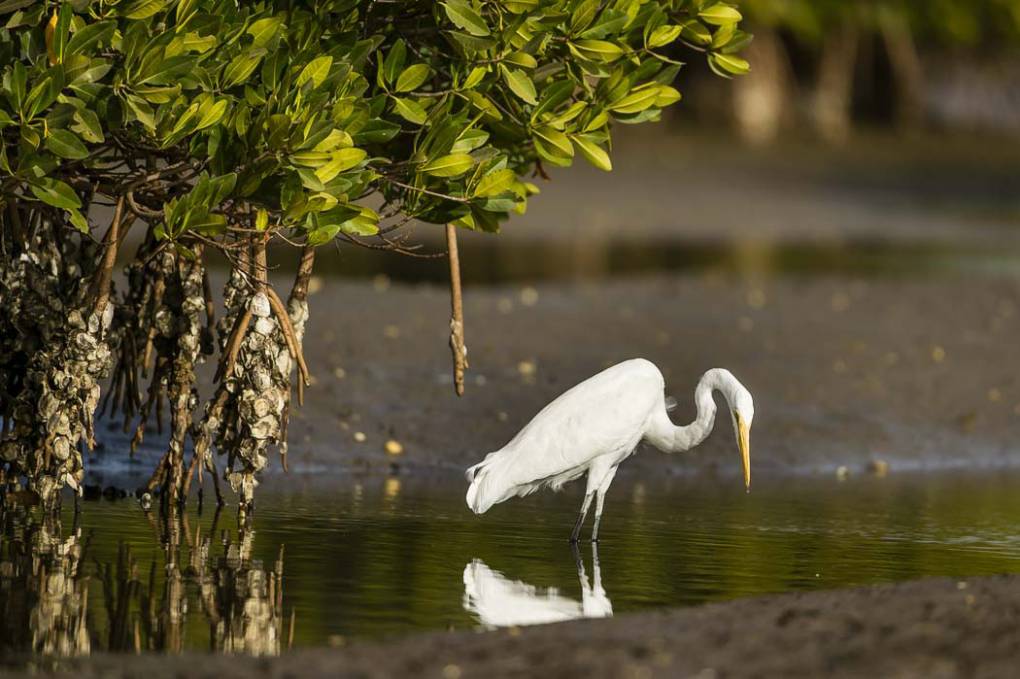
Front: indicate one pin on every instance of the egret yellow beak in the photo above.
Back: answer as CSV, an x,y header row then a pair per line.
x,y
744,442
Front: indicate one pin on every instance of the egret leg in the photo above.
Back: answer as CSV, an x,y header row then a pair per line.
x,y
580,518
600,498
577,555
578,563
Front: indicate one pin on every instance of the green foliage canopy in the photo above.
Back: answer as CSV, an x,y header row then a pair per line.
x,y
212,116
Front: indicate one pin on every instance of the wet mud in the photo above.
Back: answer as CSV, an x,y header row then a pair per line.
x,y
931,628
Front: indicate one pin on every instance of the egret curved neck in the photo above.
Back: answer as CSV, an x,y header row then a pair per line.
x,y
685,438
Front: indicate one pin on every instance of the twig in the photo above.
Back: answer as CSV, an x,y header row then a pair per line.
x,y
141,210
460,363
436,194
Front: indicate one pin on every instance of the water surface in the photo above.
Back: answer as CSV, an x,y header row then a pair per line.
x,y
328,559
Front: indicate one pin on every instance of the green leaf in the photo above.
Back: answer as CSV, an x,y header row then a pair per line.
x,y
143,9
592,152
553,145
142,111
465,17
341,160
520,6
695,32
241,67
62,31
364,224
88,126
204,222
596,50
583,15
13,5
66,144
469,140
56,193
476,76
520,84
78,220
728,64
44,93
89,35
261,219
410,110
484,104
636,101
376,132
522,59
316,71
412,77
310,158
210,113
394,61
663,35
450,165
494,183
719,15
18,83
264,30
332,141
667,95
185,9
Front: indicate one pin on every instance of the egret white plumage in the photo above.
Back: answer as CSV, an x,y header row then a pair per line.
x,y
594,426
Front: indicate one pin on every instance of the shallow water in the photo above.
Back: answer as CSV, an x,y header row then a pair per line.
x,y
327,559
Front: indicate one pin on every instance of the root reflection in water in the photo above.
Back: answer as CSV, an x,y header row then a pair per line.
x,y
57,599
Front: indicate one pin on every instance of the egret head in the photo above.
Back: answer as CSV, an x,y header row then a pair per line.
x,y
741,406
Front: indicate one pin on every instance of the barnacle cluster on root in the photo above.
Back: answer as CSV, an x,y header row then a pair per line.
x,y
58,342
55,353
253,393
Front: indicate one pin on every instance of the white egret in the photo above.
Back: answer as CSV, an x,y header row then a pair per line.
x,y
498,601
593,427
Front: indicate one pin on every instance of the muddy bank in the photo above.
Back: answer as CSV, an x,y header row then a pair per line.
x,y
843,370
931,628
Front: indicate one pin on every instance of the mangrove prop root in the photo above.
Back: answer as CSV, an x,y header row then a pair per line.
x,y
159,329
55,349
105,274
293,344
457,346
260,340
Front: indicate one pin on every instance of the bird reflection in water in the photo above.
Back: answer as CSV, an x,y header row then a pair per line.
x,y
498,601
47,606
